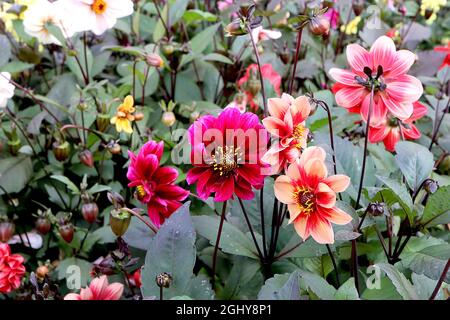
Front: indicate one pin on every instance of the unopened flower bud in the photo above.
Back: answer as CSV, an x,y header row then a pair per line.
x,y
402,9
6,231
42,272
89,211
168,118
154,60
86,158
358,7
102,121
168,49
194,116
115,148
253,86
14,146
234,28
430,185
163,280
319,26
61,150
375,209
67,231
43,225
444,166
138,116
120,221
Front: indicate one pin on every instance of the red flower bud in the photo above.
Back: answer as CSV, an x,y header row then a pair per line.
x,y
86,158
67,231
61,150
319,26
6,231
43,225
154,60
90,212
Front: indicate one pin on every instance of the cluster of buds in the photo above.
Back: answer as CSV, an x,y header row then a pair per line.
x,y
168,117
246,18
7,228
65,227
44,221
119,217
42,286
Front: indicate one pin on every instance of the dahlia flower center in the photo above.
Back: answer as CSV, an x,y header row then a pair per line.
x,y
305,198
373,79
99,6
226,159
393,122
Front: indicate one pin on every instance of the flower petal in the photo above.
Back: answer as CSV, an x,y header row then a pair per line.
x,y
383,52
345,77
337,182
321,230
300,225
284,189
335,215
325,196
357,57
349,97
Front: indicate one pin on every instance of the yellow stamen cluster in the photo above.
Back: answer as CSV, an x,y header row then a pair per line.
x,y
299,135
305,199
226,159
99,6
140,192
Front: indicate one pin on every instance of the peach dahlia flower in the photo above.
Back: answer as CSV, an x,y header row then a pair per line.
x,y
311,196
286,122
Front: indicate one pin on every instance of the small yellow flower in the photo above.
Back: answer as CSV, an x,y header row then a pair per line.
x,y
432,6
124,117
352,26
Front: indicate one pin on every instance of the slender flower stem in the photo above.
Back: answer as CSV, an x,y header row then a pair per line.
x,y
330,126
272,229
263,226
161,293
134,79
261,258
216,246
363,169
86,56
161,18
297,53
355,264
147,70
334,265
84,131
438,124
383,244
441,279
362,220
258,62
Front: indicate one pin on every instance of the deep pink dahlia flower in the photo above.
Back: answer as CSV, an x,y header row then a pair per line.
x,y
154,184
226,155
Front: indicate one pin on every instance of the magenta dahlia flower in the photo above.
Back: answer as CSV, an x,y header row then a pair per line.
x,y
154,184
226,155
385,69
